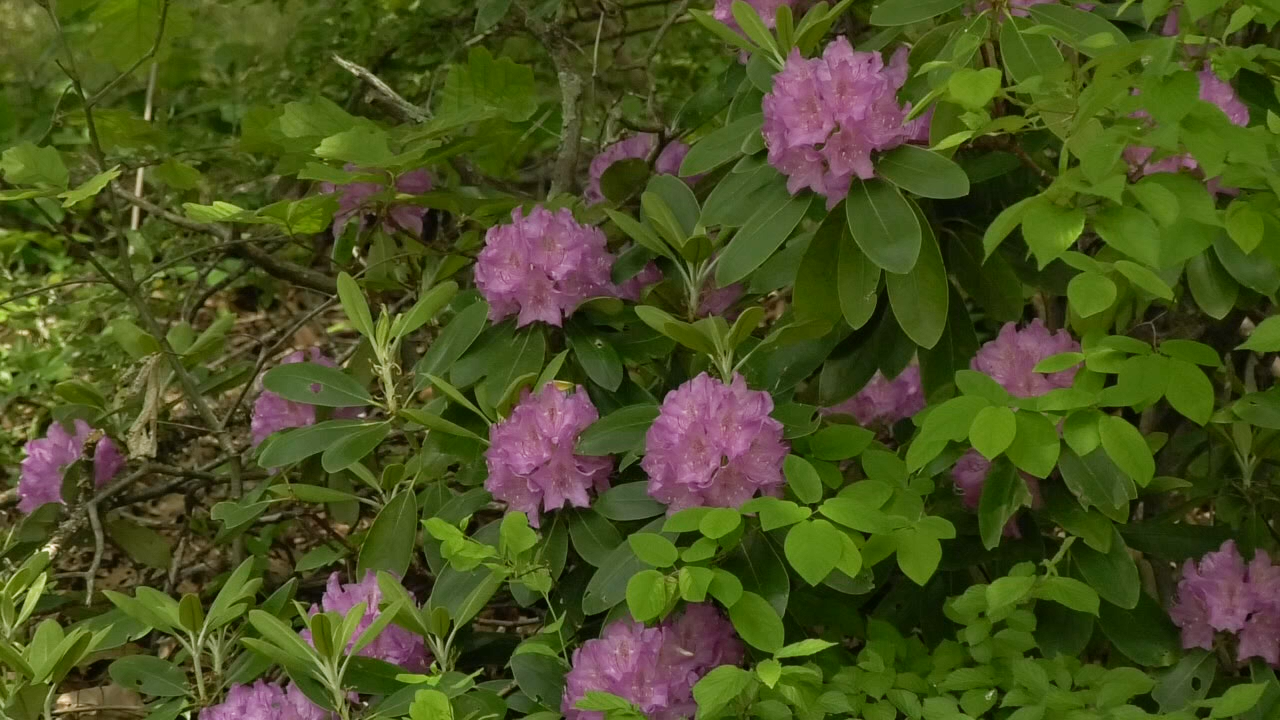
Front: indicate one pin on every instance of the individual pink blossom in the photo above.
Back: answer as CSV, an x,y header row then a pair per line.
x,y
713,445
265,701
354,202
970,475
1214,91
653,668
717,300
1010,359
633,287
50,456
273,413
541,266
394,644
638,147
825,117
881,402
531,459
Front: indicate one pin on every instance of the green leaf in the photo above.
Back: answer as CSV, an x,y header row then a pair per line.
x,y
1144,634
1090,293
1144,279
1127,449
363,145
857,283
354,446
618,432
919,298
923,172
974,89
691,336
840,442
1236,700
757,623
90,187
1027,55
1004,223
1050,229
720,146
1003,493
629,501
714,691
1265,337
608,586
540,677
1084,28
314,384
301,443
993,430
392,537
354,305
1096,480
149,675
804,648
763,233
1114,575
810,549
452,342
918,554
884,224
485,88
653,549
1008,590
752,26
802,478
1036,445
1189,391
596,355
594,537
1069,592
649,594
905,12
141,543
26,164
488,14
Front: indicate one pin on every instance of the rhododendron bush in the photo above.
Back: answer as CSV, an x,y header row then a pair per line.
x,y
619,360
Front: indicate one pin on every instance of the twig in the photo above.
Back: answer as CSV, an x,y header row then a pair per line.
x,y
52,286
558,46
282,269
91,575
135,216
407,110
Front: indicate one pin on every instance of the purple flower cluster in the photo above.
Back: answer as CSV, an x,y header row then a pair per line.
x,y
272,413
654,668
541,266
633,287
1010,359
394,644
825,117
1222,594
638,147
265,701
713,445
1214,91
353,201
50,456
882,402
532,465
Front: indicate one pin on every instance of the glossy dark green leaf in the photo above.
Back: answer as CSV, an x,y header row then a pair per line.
x,y
392,537
884,225
763,233
618,432
905,12
919,298
313,384
1113,574
923,172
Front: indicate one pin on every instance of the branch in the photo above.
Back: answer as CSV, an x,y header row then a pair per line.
x,y
155,47
404,108
282,269
558,46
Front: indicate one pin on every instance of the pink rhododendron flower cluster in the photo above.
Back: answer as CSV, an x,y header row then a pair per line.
x,y
353,202
882,402
272,413
394,644
825,117
654,668
1010,359
1213,90
637,147
713,445
541,266
50,456
532,465
1222,594
265,701
766,9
